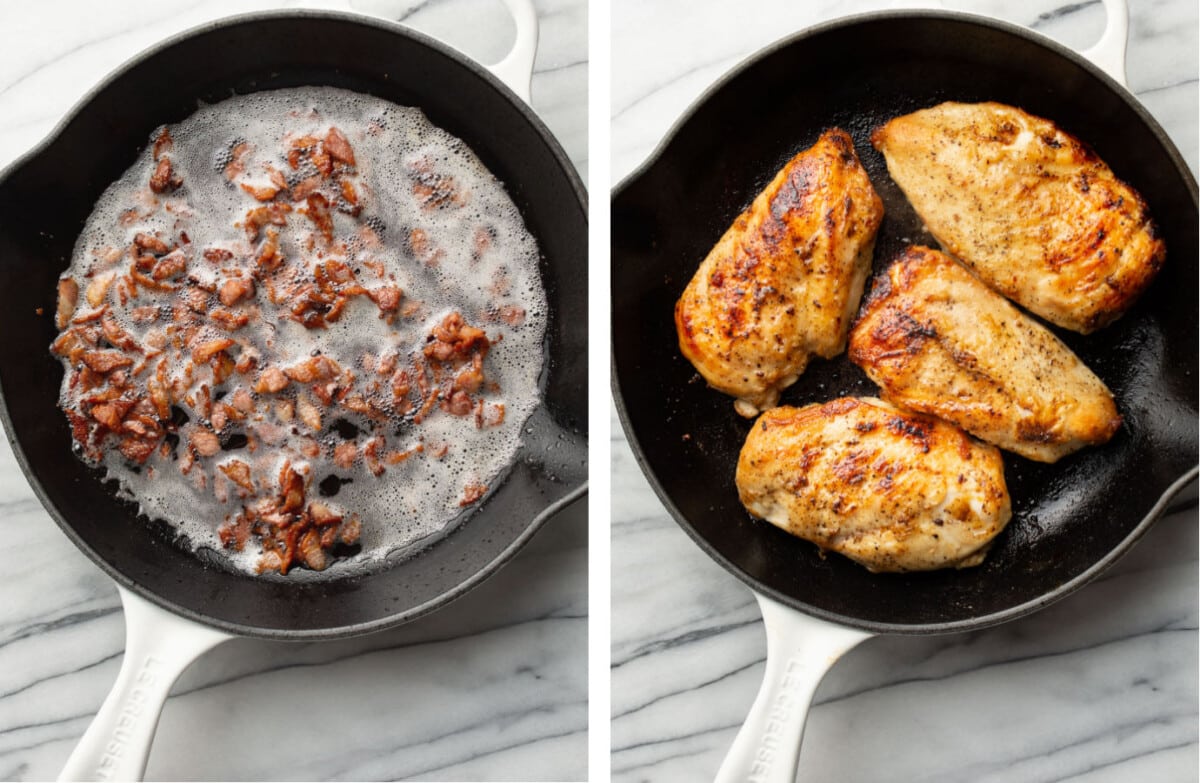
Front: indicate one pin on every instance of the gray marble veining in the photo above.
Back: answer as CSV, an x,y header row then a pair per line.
x,y
1101,686
493,687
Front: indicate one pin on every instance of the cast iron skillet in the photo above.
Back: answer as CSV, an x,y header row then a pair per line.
x,y
46,196
1071,519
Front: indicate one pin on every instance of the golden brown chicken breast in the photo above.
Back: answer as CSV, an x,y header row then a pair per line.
x,y
1030,209
891,490
784,281
938,341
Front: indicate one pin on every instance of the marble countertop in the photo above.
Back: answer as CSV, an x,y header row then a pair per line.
x,y
1101,686
493,687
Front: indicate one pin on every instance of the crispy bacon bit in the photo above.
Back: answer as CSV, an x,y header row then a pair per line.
x,y
237,160
344,454
242,401
387,297
370,452
472,492
106,361
97,290
205,443
170,265
455,338
196,300
305,188
322,514
436,191
261,192
206,350
309,414
163,180
229,321
291,488
239,473
137,450
217,255
271,381
459,404
108,414
269,257
274,214
396,457
318,212
318,368
68,299
118,336
235,290
150,243
337,145
163,143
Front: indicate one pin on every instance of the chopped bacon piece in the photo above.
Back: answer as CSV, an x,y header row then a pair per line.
x,y
239,473
310,550
291,488
387,297
351,529
370,452
274,214
396,457
455,338
242,401
196,300
472,492
118,336
309,414
163,143
322,514
97,290
318,368
261,192
106,361
217,255
272,380
235,290
163,180
108,414
150,243
459,404
229,321
68,299
205,351
344,454
269,257
137,449
305,188
174,263
337,145
318,212
205,443
237,160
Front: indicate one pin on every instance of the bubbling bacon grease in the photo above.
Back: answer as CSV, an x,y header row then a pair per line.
x,y
125,391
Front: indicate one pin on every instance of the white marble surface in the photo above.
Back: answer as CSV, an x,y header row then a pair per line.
x,y
1099,687
493,687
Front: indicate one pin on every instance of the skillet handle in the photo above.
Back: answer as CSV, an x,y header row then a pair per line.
x,y
800,650
159,645
1109,51
516,69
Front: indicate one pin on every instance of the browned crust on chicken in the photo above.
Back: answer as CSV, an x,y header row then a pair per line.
x,y
1029,208
891,490
937,340
782,284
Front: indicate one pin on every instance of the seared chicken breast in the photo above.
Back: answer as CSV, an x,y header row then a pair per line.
x,y
938,341
1029,208
783,283
889,489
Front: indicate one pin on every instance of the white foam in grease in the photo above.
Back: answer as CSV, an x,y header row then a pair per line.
x,y
418,498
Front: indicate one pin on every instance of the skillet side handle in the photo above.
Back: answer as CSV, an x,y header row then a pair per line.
x,y
1109,51
800,650
158,647
516,69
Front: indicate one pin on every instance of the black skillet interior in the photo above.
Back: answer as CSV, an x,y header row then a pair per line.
x,y
1069,518
45,199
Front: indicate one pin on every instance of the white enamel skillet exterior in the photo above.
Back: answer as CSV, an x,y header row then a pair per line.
x,y
801,649
159,644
